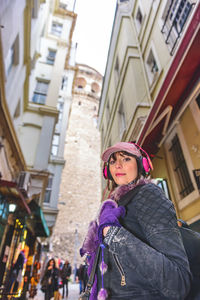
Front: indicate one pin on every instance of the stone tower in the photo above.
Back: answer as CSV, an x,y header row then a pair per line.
x,y
80,189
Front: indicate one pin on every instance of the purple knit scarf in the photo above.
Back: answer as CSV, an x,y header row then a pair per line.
x,y
92,241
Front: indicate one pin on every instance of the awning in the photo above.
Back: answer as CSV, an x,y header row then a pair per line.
x,y
10,190
178,84
37,219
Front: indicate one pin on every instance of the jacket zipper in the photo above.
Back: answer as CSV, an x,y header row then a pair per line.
x,y
123,281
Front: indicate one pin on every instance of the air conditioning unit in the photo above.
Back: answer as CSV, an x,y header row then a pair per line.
x,y
24,181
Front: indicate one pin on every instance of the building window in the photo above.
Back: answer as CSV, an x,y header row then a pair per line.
x,y
152,67
63,4
95,88
4,211
64,83
117,70
12,58
56,28
107,112
55,144
80,82
48,190
51,57
175,16
122,121
185,186
139,19
60,107
40,92
162,183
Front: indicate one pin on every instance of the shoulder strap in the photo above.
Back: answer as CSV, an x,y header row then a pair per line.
x,y
91,278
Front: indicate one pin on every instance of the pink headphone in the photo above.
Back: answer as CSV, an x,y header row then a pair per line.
x,y
145,163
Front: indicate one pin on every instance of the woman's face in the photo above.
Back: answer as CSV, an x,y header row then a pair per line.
x,y
123,169
51,263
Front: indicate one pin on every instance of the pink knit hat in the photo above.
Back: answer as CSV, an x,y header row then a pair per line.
x,y
121,146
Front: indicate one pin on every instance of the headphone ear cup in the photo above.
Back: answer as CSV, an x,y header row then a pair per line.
x,y
105,171
141,169
145,164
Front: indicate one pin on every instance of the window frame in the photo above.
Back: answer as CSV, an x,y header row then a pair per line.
x,y
139,24
56,30
48,190
152,76
50,59
55,145
170,25
117,70
182,203
122,120
39,92
12,58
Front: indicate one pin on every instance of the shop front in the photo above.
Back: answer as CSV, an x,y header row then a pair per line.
x,y
13,234
37,230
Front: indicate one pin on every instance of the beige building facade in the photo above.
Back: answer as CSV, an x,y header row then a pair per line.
x,y
151,92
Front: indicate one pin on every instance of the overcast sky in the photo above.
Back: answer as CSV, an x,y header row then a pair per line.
x,y
93,30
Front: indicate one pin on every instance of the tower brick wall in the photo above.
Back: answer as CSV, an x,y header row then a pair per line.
x,y
80,188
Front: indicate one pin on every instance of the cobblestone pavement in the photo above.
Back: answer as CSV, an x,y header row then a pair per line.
x,y
73,293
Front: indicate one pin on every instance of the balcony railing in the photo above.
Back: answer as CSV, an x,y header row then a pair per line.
x,y
176,17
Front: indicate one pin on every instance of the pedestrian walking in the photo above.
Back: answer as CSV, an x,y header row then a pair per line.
x,y
142,255
82,277
65,275
79,277
85,275
49,281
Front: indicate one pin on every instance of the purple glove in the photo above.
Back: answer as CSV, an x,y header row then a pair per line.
x,y
109,214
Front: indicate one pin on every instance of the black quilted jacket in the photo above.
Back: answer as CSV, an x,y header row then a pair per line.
x,y
145,257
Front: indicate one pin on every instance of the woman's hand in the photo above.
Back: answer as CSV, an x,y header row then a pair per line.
x,y
105,230
109,216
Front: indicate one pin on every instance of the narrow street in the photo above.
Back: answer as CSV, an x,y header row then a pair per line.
x,y
73,293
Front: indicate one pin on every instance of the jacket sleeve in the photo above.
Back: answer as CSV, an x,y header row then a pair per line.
x,y
162,261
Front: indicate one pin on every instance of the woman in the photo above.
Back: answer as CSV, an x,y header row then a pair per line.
x,y
65,275
49,281
144,257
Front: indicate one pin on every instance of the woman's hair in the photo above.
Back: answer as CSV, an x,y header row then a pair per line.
x,y
54,263
113,156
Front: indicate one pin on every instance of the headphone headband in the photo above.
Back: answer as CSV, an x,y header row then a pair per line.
x,y
144,162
